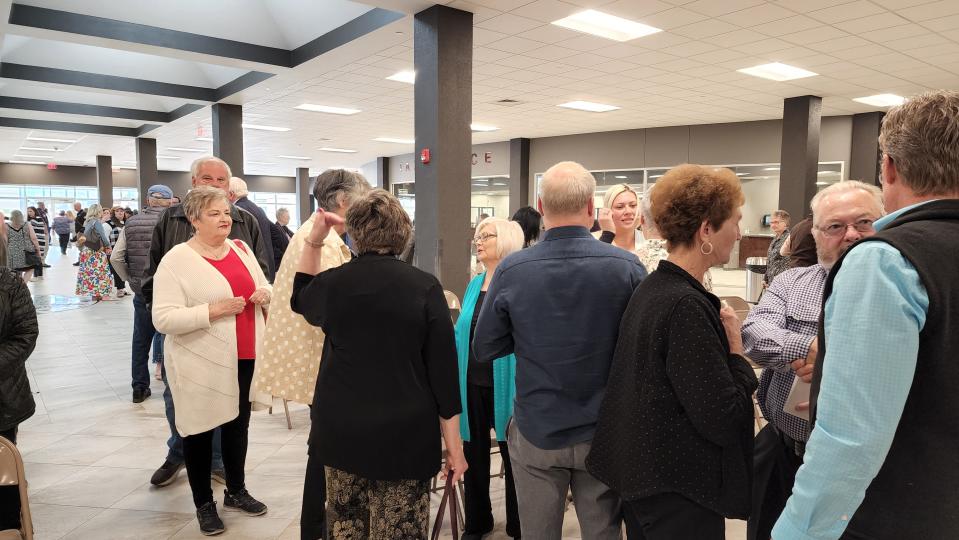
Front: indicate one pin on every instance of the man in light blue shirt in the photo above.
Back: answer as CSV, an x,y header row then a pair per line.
x,y
880,462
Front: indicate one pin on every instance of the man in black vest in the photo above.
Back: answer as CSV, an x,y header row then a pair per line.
x,y
880,463
130,258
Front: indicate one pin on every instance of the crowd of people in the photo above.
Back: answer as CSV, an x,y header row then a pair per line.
x,y
602,370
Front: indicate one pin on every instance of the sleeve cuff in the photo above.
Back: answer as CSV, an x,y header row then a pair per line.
x,y
796,346
607,236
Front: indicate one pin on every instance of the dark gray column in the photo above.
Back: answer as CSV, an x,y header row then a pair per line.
x,y
864,162
799,157
383,173
228,135
146,167
105,181
304,194
518,174
443,59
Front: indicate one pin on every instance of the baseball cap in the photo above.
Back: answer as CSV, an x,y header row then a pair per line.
x,y
160,191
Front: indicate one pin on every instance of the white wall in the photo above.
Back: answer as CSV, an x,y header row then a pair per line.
x,y
762,196
500,204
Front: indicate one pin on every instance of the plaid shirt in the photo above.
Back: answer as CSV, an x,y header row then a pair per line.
x,y
778,331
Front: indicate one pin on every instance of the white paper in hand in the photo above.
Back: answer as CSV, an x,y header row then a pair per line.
x,y
797,394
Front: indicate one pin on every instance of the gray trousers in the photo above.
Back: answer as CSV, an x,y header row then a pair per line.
x,y
544,477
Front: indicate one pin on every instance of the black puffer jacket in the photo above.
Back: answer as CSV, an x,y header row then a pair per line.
x,y
18,337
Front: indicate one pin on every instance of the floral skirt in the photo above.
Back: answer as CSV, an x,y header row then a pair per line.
x,y
93,277
359,508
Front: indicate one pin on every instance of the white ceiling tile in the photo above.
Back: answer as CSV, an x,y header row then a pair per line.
x,y
760,14
661,40
586,43
737,37
619,50
929,11
480,13
519,61
673,18
846,12
871,23
485,54
763,47
510,24
942,23
549,33
482,36
814,35
546,10
705,29
897,32
715,57
809,5
502,5
551,52
916,42
515,44
492,70
648,58
691,48
631,9
839,44
789,25
715,9
899,4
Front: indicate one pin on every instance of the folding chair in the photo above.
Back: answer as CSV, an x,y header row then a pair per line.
x,y
12,474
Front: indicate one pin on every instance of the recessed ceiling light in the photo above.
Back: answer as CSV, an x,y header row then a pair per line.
x,y
395,140
621,177
828,172
45,139
408,77
771,169
181,149
25,162
881,100
822,183
325,109
742,174
167,157
482,127
656,176
606,25
36,149
340,150
777,71
205,139
588,106
295,157
31,156
264,128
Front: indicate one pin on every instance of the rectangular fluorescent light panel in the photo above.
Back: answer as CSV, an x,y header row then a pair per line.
x,y
771,169
264,128
588,106
180,149
325,109
777,71
260,163
481,127
622,177
408,77
395,140
28,156
45,139
881,100
205,139
167,157
36,149
295,157
24,162
340,150
606,26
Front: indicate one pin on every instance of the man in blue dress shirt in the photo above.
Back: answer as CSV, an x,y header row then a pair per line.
x,y
881,460
557,306
780,335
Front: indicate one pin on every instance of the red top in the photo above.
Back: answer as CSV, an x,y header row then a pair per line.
x,y
242,284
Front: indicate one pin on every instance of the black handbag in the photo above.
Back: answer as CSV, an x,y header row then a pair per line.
x,y
93,241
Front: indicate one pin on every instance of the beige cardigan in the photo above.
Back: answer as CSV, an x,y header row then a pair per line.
x,y
290,359
200,356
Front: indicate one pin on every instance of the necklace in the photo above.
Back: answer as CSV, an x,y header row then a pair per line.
x,y
216,253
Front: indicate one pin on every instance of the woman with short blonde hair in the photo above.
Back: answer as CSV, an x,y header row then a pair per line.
x,y
94,277
486,389
679,360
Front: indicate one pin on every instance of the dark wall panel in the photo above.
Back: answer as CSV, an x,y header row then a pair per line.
x,y
735,143
667,147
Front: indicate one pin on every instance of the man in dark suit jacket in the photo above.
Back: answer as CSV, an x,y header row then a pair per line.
x,y
281,235
238,196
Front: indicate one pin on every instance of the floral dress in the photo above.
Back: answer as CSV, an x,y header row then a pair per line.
x,y
93,277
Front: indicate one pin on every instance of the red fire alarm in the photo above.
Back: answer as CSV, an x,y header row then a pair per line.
x,y
425,155
52,166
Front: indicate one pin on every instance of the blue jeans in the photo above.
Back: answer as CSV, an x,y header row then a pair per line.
x,y
143,336
175,442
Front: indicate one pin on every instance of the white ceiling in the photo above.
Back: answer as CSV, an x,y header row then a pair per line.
x,y
684,75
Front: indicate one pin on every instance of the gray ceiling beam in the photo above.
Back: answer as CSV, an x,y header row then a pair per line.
x,y
88,25
49,125
105,82
372,20
240,83
44,105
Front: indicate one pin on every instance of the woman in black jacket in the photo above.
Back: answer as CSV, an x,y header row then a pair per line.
x,y
18,337
674,437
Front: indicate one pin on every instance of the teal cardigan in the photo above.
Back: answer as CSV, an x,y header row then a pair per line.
x,y
504,369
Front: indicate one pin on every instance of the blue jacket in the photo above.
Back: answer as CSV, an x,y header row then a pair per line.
x,y
504,369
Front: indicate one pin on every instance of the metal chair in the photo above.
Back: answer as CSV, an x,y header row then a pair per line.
x,y
12,474
286,409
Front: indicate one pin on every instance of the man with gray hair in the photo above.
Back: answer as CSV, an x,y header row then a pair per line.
x,y
288,364
557,307
174,228
880,462
239,195
780,335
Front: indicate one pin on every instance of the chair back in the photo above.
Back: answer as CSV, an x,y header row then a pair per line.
x,y
13,474
453,302
739,305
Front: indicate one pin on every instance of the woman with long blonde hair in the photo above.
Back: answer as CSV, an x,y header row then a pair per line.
x,y
93,277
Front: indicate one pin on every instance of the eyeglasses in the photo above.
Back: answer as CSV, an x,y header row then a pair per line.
x,y
838,229
483,238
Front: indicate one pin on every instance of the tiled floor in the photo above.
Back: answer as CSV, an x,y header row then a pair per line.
x,y
89,451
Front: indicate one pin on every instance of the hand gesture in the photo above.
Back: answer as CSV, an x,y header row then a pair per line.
x,y
733,327
260,297
225,308
606,220
322,223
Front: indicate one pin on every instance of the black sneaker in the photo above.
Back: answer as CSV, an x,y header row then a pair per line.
x,y
76,263
218,475
244,502
210,522
166,473
140,394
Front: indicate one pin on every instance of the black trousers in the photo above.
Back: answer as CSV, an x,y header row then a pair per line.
x,y
670,516
234,436
479,511
64,240
313,511
9,495
774,471
117,280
